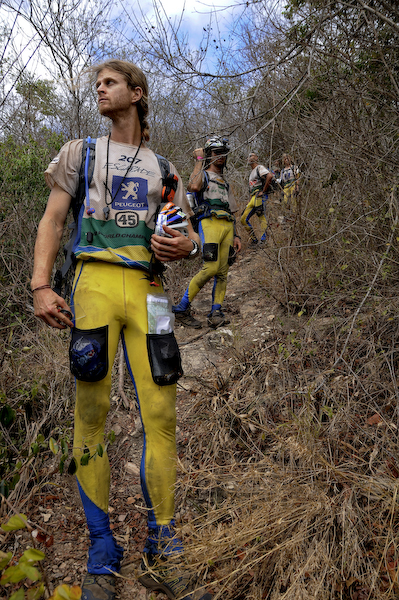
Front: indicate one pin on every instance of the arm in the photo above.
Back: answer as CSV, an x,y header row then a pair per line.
x,y
237,243
268,179
195,182
47,303
237,239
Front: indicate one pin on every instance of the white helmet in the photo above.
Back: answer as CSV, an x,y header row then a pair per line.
x,y
216,143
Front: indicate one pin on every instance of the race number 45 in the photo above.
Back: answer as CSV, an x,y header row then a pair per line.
x,y
127,219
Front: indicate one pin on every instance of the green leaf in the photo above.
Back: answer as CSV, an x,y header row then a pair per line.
x,y
30,571
12,575
100,450
18,595
64,592
328,410
15,480
62,463
4,488
84,460
53,446
34,555
7,415
14,523
5,559
35,448
35,593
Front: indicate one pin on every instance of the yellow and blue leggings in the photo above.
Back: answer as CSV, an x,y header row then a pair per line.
x,y
109,301
256,206
217,238
290,189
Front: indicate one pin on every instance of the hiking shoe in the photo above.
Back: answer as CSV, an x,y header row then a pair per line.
x,y
98,587
252,243
217,318
177,586
186,318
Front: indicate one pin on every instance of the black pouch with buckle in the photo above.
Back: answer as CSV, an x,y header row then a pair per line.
x,y
164,357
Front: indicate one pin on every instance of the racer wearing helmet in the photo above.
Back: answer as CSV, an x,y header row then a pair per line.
x,y
216,227
219,146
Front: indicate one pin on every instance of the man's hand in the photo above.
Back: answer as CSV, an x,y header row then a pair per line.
x,y
48,306
167,249
198,153
237,244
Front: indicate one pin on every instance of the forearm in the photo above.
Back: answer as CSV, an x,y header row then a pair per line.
x,y
195,181
267,183
46,249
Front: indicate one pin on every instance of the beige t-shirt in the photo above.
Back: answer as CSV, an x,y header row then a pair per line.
x,y
218,195
257,178
117,218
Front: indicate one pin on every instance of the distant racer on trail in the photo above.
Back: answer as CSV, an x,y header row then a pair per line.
x,y
215,208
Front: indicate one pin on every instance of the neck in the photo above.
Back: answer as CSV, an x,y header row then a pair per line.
x,y
215,169
126,131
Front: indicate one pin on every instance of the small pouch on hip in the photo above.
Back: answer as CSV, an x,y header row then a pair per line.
x,y
88,354
164,357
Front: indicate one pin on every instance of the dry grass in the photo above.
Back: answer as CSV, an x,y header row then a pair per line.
x,y
292,469
298,485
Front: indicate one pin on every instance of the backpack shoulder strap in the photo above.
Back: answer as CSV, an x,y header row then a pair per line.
x,y
169,180
86,170
85,174
261,177
200,194
169,187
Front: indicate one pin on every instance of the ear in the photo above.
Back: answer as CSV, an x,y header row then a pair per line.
x,y
137,94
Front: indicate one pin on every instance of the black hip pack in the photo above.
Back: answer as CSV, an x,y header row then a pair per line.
x,y
164,357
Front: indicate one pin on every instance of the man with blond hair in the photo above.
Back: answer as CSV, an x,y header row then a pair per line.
x,y
116,250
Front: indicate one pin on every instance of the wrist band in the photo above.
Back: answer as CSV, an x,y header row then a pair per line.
x,y
200,158
194,251
42,287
